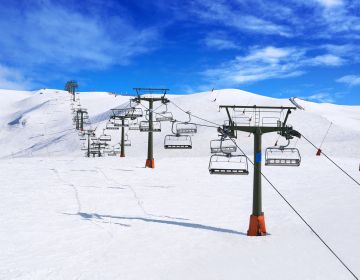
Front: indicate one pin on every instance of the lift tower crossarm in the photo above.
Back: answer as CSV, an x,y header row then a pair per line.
x,y
257,220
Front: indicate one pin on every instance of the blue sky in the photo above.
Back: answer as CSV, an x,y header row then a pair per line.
x,y
304,48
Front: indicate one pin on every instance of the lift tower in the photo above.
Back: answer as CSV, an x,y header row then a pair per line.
x,y
145,94
258,125
71,87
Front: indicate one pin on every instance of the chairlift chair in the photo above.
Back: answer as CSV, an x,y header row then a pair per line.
x,y
164,116
104,137
225,146
228,164
127,141
111,126
186,128
281,156
134,125
145,126
177,142
134,113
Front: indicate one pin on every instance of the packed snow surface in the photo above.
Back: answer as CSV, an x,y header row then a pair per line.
x,y
64,216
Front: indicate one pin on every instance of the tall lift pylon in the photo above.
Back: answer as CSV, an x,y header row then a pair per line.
x,y
260,126
150,162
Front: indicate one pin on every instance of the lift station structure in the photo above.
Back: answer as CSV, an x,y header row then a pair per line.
x,y
258,124
145,94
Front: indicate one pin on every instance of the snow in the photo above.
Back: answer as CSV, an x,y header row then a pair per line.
x,y
64,216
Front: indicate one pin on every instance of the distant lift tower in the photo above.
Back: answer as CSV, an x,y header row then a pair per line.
x,y
71,87
262,121
145,94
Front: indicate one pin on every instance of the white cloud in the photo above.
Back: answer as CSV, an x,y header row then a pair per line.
x,y
218,11
330,3
46,33
12,79
270,62
322,97
220,42
259,64
327,59
351,80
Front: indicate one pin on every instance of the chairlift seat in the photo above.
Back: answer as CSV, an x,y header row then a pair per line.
x,y
164,116
177,142
145,126
227,164
186,128
105,138
282,157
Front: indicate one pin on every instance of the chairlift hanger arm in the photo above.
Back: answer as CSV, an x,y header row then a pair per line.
x,y
286,117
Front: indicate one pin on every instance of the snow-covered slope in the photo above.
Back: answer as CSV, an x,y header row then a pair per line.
x,y
64,216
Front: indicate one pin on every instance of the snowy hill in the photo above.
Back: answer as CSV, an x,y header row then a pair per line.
x,y
65,216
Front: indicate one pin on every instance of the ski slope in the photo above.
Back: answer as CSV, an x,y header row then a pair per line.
x,y
64,216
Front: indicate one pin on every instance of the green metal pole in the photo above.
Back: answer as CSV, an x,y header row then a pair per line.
x,y
77,120
82,121
257,200
88,147
122,151
150,157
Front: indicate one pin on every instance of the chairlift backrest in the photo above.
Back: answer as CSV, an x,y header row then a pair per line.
x,y
225,146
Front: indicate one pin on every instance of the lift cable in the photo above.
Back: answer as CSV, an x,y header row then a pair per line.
x,y
198,124
322,142
299,215
352,178
188,112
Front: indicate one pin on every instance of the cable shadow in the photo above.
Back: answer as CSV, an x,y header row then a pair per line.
x,y
89,216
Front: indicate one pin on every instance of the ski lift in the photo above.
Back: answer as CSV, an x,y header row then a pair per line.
x,y
145,126
134,125
112,126
134,113
164,115
282,156
104,137
177,141
225,146
127,141
186,127
228,164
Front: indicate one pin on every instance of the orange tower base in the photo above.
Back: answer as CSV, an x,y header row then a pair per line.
x,y
150,163
257,225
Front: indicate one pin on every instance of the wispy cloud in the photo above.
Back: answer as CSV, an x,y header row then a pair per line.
x,y
350,80
49,33
222,12
330,3
12,79
327,59
322,97
220,41
268,63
